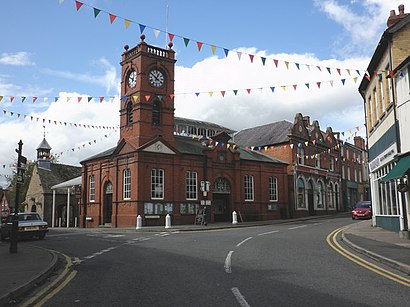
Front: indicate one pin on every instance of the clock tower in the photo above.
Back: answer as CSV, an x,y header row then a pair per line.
x,y
147,94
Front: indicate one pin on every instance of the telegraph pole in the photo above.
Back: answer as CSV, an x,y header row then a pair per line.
x,y
20,175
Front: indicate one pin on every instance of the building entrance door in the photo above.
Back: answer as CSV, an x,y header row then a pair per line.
x,y
311,204
107,203
221,192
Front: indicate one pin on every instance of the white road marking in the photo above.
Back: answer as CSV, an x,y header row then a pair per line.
x,y
227,265
100,252
296,227
268,233
240,243
240,298
114,236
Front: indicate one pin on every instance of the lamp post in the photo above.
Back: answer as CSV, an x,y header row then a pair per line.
x,y
14,229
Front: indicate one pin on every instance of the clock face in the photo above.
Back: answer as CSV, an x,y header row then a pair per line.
x,y
132,79
156,78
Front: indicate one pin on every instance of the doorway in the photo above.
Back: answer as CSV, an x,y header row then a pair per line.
x,y
107,203
221,192
311,204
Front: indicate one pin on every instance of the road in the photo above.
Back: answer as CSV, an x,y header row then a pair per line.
x,y
279,265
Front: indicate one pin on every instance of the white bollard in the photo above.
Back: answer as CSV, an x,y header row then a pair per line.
x,y
139,222
234,218
167,221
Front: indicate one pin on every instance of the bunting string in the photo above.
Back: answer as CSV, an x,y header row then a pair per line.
x,y
199,44
56,122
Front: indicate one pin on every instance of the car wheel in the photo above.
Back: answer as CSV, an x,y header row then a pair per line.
x,y
42,236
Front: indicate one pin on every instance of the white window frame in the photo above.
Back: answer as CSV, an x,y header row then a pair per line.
x,y
248,188
126,186
157,183
273,189
92,188
191,184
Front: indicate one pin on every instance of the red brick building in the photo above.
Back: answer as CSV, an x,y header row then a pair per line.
x,y
313,158
153,172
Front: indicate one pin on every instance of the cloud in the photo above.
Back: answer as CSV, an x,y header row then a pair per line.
x,y
21,58
362,21
108,79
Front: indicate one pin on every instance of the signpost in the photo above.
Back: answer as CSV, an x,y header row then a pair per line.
x,y
21,160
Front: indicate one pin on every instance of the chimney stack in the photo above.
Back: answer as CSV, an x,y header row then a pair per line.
x,y
393,18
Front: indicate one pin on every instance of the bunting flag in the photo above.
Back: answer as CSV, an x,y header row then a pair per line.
x,y
56,122
214,48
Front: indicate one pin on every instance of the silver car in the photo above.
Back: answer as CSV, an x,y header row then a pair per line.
x,y
30,225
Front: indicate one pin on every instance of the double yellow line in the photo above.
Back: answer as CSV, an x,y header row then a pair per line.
x,y
331,239
56,286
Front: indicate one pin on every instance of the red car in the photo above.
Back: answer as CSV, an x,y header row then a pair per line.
x,y
362,210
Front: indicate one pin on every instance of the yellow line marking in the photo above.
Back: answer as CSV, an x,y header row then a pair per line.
x,y
56,290
331,239
57,280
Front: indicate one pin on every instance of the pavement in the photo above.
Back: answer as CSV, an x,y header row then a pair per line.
x,y
20,272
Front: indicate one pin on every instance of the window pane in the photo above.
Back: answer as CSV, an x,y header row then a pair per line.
x,y
191,185
157,183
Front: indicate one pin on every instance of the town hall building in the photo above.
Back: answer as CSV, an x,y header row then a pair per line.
x,y
153,171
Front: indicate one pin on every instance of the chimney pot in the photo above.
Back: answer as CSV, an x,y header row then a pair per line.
x,y
392,13
401,9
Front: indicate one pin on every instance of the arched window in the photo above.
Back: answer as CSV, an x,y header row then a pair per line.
x,y
320,195
301,193
130,115
156,112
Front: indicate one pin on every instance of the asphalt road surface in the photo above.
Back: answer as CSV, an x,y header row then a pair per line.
x,y
280,265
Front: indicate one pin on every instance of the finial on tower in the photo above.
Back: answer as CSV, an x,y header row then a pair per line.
x,y
142,37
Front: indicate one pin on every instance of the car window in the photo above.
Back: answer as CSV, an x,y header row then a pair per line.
x,y
363,205
29,217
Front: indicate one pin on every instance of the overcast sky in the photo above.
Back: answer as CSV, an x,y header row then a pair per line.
x,y
50,50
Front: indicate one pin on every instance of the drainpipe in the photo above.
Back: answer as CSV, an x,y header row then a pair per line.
x,y
84,195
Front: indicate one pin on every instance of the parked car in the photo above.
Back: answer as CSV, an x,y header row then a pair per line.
x,y
29,225
362,210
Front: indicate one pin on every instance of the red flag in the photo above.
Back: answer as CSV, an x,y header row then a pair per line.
x,y
276,63
101,98
171,36
34,99
294,86
223,93
171,96
199,44
147,97
78,5
338,70
11,98
318,84
112,18
251,57
248,90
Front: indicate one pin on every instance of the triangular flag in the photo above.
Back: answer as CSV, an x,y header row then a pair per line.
x,y
306,143
78,5
343,81
142,28
358,72
127,23
263,60
79,98
338,70
307,85
328,70
272,88
89,99
112,18
318,67
235,92
294,86
331,83
1,98
276,63
287,64
197,94
297,65
355,79
239,55
318,84
348,71
156,32
223,93
251,56
147,97
226,52
101,98
211,93
171,36
171,96
11,98
34,99
96,12
135,98
283,87
248,90
213,49
23,98
186,41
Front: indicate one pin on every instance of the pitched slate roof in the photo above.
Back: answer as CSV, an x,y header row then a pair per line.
x,y
194,147
268,134
44,145
58,173
201,124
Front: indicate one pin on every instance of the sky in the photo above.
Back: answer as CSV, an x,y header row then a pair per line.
x,y
269,61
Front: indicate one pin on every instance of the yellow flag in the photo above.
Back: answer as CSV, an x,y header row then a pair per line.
x,y
213,48
355,79
283,87
127,23
211,93
287,65
135,98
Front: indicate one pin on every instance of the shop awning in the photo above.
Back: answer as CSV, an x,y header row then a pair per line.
x,y
399,170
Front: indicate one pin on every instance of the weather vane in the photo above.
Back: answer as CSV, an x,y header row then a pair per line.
x,y
44,132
